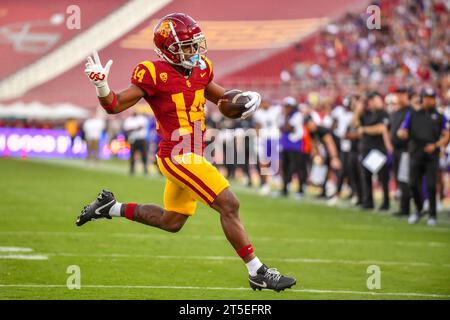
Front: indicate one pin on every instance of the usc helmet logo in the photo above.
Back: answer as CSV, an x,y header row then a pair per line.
x,y
164,28
163,76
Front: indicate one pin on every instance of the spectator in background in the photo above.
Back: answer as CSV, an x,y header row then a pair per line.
x,y
356,102
136,130
372,123
71,127
285,76
113,128
153,141
244,148
299,69
93,129
400,147
321,113
342,117
427,131
325,136
228,141
411,48
267,121
322,118
292,161
415,101
391,101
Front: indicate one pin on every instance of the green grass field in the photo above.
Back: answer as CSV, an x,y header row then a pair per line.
x,y
327,249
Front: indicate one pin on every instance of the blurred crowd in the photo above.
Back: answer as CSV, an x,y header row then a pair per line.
x,y
412,48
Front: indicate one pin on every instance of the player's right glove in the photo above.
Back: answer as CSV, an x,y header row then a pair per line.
x,y
98,74
253,104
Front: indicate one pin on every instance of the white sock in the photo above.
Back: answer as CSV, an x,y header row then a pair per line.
x,y
253,266
114,211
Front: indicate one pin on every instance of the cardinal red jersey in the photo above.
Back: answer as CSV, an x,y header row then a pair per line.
x,y
177,103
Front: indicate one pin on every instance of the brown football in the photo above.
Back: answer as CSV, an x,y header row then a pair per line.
x,y
232,104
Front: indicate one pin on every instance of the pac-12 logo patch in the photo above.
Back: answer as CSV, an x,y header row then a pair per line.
x,y
163,76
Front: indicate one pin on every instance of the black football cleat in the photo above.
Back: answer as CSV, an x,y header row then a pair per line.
x,y
97,209
270,278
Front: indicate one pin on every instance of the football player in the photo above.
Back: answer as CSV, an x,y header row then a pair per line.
x,y
176,87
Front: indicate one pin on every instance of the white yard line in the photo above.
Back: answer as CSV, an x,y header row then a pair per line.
x,y
23,257
218,258
15,249
400,294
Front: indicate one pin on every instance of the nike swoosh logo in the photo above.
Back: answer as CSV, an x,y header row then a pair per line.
x,y
97,211
263,285
203,74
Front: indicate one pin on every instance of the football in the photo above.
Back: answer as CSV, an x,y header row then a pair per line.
x,y
232,104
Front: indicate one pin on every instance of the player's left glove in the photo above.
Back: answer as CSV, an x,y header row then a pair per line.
x,y
253,104
98,74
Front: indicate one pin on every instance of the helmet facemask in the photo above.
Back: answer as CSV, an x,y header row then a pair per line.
x,y
189,51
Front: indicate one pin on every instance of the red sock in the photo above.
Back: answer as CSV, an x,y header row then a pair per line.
x,y
245,251
129,211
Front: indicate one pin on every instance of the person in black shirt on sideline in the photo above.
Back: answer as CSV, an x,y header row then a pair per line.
x,y
342,116
400,147
372,123
291,139
325,135
427,131
353,159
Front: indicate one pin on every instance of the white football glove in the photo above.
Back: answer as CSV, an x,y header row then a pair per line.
x,y
253,104
98,74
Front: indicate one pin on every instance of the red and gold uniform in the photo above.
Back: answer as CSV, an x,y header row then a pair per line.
x,y
177,103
